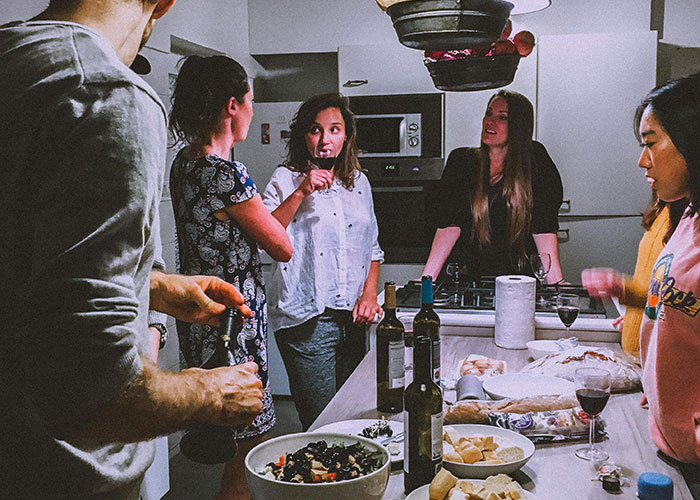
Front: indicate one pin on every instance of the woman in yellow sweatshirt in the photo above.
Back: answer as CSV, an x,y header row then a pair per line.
x,y
660,220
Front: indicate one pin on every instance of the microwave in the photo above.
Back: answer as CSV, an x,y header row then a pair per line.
x,y
387,135
391,127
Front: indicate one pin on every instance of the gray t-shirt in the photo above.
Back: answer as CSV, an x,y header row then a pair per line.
x,y
82,151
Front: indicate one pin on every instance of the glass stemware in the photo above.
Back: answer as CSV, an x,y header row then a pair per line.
x,y
456,270
567,308
324,161
592,392
540,264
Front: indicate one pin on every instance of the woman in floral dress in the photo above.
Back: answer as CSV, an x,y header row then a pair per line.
x,y
220,221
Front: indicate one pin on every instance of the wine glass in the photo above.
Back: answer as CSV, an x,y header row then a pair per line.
x,y
456,270
567,308
592,392
540,264
324,161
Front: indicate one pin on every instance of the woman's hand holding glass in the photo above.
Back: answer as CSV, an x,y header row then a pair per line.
x,y
316,180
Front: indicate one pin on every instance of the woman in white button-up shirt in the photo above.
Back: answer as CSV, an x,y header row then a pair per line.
x,y
319,301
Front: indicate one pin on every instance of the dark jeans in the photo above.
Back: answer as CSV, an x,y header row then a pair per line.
x,y
319,356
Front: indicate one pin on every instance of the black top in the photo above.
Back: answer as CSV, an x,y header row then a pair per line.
x,y
454,209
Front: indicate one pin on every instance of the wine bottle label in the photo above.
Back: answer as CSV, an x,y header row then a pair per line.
x,y
397,373
436,433
436,361
405,442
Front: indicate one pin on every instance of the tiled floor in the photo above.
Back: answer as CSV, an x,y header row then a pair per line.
x,y
192,481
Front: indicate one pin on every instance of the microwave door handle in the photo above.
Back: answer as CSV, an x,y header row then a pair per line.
x,y
397,189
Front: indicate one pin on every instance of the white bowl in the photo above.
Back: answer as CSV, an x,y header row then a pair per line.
x,y
370,487
504,438
540,348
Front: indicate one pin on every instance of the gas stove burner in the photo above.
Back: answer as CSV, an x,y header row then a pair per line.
x,y
479,297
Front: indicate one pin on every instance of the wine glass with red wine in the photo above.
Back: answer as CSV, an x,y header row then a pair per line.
x,y
567,308
324,161
592,392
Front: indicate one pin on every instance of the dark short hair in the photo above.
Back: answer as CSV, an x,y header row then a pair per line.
x,y
203,87
298,156
676,105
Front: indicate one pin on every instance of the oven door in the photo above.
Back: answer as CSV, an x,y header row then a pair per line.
x,y
406,220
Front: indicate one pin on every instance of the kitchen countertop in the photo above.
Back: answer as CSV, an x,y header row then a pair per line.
x,y
554,472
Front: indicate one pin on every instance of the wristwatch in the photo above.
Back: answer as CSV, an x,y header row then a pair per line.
x,y
163,333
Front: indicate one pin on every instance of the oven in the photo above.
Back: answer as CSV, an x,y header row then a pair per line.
x,y
401,139
404,193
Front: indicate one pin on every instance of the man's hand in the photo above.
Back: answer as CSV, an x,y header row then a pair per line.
x,y
236,394
195,299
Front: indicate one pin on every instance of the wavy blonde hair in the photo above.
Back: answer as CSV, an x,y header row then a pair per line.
x,y
517,185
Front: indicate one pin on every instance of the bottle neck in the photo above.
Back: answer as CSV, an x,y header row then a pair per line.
x,y
389,313
426,292
422,361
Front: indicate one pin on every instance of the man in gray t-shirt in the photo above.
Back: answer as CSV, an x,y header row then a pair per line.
x,y
82,146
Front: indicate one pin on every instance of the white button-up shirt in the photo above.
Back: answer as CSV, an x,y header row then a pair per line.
x,y
334,237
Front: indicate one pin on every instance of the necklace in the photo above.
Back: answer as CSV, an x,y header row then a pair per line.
x,y
495,178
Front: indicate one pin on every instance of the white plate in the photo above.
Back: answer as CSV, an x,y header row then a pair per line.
x,y
422,492
523,385
503,437
354,427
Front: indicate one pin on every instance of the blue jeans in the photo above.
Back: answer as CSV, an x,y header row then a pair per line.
x,y
319,355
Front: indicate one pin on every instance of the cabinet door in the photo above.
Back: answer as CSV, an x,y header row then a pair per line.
x,y
600,242
464,110
297,26
387,69
588,88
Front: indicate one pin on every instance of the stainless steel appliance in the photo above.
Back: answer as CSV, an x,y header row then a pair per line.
x,y
399,126
389,135
479,297
404,186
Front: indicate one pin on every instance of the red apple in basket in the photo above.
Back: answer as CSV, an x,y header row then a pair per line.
x,y
507,29
524,42
480,50
504,47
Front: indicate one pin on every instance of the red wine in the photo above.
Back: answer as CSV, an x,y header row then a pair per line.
x,y
567,314
592,400
325,163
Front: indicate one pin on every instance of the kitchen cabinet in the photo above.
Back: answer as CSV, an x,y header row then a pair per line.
x,y
588,87
598,242
464,110
297,26
681,21
390,68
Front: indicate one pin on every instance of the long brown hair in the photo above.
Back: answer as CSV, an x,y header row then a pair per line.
x,y
517,187
298,158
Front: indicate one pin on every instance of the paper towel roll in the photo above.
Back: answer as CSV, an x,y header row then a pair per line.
x,y
515,311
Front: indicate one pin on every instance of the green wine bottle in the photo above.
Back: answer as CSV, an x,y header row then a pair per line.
x,y
422,419
427,323
390,355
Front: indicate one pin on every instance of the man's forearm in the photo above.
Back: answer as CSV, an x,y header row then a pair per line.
x,y
155,403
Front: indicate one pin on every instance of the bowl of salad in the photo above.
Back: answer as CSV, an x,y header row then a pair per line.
x,y
318,466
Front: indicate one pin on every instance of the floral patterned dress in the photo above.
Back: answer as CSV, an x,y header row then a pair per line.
x,y
199,187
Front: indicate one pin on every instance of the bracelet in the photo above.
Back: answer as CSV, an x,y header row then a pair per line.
x,y
163,333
